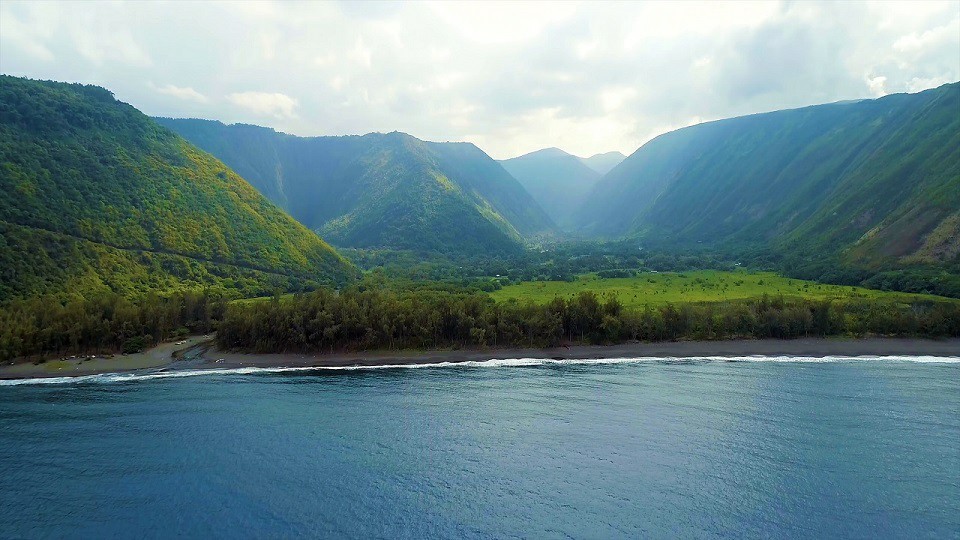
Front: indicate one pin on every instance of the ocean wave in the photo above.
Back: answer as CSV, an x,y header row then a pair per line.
x,y
492,363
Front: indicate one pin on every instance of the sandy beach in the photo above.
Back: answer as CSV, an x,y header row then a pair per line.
x,y
162,355
813,347
197,352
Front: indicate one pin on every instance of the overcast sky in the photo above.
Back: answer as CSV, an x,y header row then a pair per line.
x,y
509,77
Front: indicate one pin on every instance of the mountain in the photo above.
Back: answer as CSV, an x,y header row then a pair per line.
x,y
604,163
380,190
557,180
96,197
875,183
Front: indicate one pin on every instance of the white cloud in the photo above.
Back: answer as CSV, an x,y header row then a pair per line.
x,y
916,41
918,84
274,104
185,93
511,77
877,86
505,22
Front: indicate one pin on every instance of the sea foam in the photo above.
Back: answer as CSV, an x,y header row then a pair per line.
x,y
492,363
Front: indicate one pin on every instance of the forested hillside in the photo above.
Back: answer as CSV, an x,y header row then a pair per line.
x,y
874,184
380,190
96,197
556,180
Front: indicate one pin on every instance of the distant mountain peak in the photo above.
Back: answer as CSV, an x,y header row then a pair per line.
x,y
611,154
551,152
603,162
558,181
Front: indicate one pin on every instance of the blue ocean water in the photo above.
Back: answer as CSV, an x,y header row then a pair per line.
x,y
650,448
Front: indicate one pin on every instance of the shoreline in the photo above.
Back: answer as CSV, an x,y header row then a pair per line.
x,y
197,354
808,347
163,355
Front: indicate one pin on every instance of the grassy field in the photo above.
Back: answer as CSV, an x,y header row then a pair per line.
x,y
697,286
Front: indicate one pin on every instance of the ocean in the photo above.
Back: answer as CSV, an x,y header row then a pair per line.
x,y
624,448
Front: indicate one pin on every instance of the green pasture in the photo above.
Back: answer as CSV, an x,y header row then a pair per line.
x,y
657,288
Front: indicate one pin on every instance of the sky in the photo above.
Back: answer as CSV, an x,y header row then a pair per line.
x,y
510,77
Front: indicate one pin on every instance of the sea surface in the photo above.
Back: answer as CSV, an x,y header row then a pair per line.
x,y
624,448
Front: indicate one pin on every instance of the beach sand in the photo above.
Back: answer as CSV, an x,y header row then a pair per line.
x,y
159,356
812,347
197,353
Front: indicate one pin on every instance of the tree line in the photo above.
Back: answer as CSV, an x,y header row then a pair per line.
x,y
369,316
44,326
324,321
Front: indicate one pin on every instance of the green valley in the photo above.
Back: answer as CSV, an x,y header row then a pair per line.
x,y
118,233
867,186
416,270
381,190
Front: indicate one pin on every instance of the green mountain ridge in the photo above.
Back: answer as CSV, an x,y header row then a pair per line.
x,y
380,190
97,197
874,183
557,180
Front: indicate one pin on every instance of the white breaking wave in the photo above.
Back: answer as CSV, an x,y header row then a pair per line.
x,y
492,363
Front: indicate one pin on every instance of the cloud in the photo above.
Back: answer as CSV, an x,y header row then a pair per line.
x,y
916,41
276,104
24,35
512,78
877,85
185,93
918,84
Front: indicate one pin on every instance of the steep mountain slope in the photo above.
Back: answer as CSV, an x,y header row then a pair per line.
x,y
876,182
95,196
555,179
604,163
380,190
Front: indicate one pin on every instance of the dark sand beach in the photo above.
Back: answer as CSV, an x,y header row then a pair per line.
x,y
198,353
162,355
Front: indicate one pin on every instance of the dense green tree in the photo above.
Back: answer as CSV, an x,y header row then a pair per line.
x,y
358,319
49,325
96,197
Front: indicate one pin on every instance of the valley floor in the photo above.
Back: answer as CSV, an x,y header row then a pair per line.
x,y
661,288
198,354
